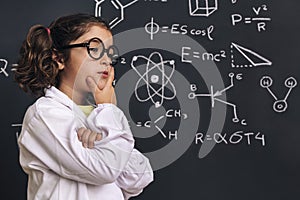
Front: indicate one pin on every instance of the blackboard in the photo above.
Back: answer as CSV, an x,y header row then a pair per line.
x,y
209,88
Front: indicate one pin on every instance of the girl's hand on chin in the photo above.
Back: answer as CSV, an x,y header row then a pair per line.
x,y
106,93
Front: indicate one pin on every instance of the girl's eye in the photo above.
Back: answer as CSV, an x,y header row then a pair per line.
x,y
94,49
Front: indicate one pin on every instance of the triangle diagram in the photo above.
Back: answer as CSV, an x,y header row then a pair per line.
x,y
253,58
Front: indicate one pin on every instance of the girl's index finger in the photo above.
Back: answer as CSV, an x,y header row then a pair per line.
x,y
111,77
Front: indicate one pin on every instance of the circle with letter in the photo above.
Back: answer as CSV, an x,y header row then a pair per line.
x,y
290,82
280,105
266,82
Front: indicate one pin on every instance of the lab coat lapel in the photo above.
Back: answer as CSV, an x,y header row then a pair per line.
x,y
62,98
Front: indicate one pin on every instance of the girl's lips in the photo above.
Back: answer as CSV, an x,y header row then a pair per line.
x,y
104,74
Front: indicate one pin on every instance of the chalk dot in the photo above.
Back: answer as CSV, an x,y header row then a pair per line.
x,y
134,58
157,104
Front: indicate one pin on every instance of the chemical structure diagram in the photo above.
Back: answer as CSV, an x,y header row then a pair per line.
x,y
214,96
280,105
117,5
171,113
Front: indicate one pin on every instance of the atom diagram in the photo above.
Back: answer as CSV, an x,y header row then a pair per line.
x,y
160,78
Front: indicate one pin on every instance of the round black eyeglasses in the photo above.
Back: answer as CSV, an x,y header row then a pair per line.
x,y
96,49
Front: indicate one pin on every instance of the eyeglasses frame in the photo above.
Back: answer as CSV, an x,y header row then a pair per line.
x,y
87,45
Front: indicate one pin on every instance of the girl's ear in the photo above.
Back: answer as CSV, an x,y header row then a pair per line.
x,y
61,65
58,58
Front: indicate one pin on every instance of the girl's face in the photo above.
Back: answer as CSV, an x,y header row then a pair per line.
x,y
81,66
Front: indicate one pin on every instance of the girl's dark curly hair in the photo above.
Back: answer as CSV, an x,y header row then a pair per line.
x,y
37,70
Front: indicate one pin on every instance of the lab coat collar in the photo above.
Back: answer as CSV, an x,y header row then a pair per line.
x,y
62,98
59,96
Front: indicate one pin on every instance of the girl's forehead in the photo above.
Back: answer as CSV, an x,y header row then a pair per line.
x,y
99,32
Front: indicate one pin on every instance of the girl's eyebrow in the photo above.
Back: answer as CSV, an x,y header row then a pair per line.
x,y
86,40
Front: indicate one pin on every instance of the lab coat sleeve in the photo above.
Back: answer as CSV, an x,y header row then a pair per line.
x,y
49,134
137,173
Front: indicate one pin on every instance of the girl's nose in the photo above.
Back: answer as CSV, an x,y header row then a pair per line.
x,y
105,60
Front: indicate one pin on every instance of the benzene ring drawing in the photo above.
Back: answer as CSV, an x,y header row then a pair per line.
x,y
159,77
110,6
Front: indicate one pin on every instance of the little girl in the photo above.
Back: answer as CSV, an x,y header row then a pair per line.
x,y
69,148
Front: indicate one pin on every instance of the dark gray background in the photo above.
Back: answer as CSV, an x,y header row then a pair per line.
x,y
230,171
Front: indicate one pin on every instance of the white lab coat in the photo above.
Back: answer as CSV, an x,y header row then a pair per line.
x,y
60,168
